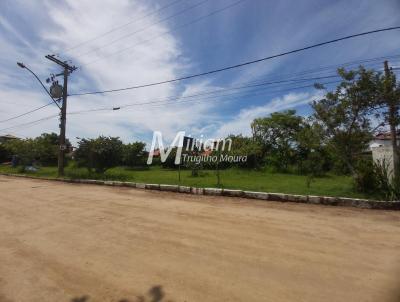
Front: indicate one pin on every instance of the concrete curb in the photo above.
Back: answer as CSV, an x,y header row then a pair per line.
x,y
212,191
169,188
310,199
232,193
183,189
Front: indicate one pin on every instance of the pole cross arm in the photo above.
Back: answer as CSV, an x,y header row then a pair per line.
x,y
61,63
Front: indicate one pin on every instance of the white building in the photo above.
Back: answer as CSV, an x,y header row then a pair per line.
x,y
382,151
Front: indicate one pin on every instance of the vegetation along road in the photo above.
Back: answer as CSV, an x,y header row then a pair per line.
x,y
68,242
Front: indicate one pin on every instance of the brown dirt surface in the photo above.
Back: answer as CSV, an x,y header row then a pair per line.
x,y
87,243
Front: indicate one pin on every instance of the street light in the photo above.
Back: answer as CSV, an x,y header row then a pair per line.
x,y
22,65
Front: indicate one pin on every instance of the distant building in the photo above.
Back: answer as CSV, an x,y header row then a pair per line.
x,y
155,153
7,137
382,151
383,139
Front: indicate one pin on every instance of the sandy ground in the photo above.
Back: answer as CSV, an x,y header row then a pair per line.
x,y
82,243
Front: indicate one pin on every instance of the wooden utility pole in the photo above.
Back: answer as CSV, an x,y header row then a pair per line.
x,y
392,116
63,115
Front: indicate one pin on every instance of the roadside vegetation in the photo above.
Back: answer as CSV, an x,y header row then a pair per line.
x,y
325,153
233,178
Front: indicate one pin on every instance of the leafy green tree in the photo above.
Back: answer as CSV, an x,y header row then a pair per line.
x,y
24,149
42,149
46,148
312,154
277,134
387,109
134,154
99,154
247,146
345,115
4,153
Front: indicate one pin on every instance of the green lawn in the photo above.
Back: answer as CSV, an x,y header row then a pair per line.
x,y
330,185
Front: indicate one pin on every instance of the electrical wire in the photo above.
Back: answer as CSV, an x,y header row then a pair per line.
x,y
152,103
166,32
255,92
179,102
26,113
122,26
243,85
213,93
143,28
30,123
241,64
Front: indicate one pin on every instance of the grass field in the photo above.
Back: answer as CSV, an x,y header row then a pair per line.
x,y
330,185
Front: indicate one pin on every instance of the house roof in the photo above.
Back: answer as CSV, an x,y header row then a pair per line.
x,y
156,152
385,136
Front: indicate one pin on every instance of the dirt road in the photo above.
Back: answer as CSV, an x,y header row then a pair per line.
x,y
83,243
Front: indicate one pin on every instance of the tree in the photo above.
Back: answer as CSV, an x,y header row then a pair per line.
x,y
277,134
134,154
345,115
388,102
312,156
100,154
247,146
42,149
46,148
24,149
4,153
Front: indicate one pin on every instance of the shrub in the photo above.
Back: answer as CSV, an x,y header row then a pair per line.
x,y
365,179
134,155
376,178
4,153
99,154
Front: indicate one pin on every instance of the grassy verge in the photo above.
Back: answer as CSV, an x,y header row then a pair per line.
x,y
331,185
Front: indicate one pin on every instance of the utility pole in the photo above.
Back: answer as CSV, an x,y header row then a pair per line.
x,y
392,116
63,115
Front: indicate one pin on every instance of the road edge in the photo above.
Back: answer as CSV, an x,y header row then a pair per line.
x,y
265,196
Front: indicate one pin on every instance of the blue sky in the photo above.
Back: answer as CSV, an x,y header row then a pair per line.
x,y
160,50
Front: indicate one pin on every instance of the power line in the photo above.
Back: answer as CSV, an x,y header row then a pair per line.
x,y
254,92
187,101
163,103
377,60
143,28
177,99
26,113
242,64
166,32
216,91
123,25
30,123
257,82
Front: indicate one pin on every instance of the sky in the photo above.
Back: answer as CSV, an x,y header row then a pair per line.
x,y
125,43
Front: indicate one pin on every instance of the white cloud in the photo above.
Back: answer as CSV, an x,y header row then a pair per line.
x,y
77,21
241,123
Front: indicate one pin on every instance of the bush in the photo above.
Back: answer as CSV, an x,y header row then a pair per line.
x,y
5,155
23,149
134,155
375,178
365,179
99,154
46,149
42,149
